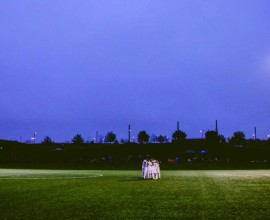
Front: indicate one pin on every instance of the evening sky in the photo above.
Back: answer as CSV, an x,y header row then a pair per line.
x,y
83,66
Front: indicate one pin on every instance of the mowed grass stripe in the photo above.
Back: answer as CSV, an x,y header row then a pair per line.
x,y
123,195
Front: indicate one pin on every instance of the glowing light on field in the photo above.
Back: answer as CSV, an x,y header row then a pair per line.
x,y
46,174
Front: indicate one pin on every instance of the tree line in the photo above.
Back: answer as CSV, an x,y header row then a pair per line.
x,y
178,136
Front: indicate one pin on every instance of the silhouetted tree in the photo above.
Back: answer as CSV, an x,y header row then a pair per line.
x,y
47,140
77,139
166,139
238,138
161,139
153,138
122,141
143,137
222,139
110,137
212,137
179,136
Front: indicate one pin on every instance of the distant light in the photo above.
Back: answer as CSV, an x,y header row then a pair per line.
x,y
204,151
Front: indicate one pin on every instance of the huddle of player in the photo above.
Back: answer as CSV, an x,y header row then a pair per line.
x,y
150,169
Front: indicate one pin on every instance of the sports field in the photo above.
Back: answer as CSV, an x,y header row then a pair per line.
x,y
108,194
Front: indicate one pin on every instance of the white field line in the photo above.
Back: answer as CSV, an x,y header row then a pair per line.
x,y
39,178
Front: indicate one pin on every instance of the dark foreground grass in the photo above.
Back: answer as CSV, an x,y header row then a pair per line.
x,y
52,194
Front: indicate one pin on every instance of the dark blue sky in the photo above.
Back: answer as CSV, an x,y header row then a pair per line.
x,y
71,67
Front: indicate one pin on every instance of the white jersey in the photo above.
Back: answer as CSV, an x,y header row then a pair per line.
x,y
144,168
155,174
157,169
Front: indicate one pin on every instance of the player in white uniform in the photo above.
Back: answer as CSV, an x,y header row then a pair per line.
x,y
144,168
154,169
151,169
158,169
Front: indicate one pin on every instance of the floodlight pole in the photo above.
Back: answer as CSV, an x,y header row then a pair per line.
x,y
129,133
35,137
202,131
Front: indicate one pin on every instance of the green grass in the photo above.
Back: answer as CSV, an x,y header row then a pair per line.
x,y
83,194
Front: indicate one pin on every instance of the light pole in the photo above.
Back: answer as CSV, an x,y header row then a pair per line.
x,y
202,131
35,137
129,133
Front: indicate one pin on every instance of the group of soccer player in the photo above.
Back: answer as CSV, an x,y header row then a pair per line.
x,y
150,168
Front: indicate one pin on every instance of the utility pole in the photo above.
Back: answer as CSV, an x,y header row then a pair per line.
x,y
129,133
35,137
217,126
202,132
177,125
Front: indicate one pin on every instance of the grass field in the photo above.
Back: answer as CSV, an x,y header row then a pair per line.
x,y
115,194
